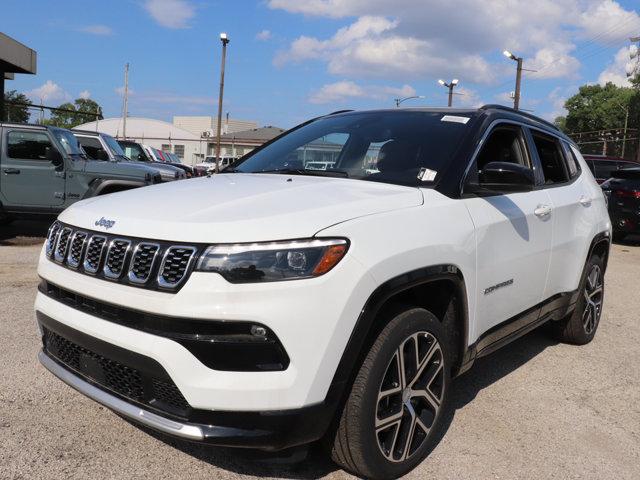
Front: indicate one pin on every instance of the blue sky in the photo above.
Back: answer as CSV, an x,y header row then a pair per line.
x,y
289,60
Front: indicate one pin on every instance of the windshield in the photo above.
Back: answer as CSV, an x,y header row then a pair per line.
x,y
68,141
113,145
404,147
134,151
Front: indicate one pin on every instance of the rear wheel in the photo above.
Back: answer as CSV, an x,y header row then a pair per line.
x,y
394,410
580,326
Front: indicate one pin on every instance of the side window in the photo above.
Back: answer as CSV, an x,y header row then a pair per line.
x,y
551,158
504,144
28,145
603,168
93,147
573,166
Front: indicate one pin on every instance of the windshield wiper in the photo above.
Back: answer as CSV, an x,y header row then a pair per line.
x,y
304,171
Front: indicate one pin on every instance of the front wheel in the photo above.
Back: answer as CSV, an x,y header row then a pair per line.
x,y
580,326
395,408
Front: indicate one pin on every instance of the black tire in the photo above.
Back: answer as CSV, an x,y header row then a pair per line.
x,y
359,444
580,326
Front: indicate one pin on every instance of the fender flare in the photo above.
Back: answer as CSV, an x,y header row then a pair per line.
x,y
99,185
365,327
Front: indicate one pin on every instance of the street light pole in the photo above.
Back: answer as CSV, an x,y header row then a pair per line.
x,y
516,97
225,40
451,85
400,100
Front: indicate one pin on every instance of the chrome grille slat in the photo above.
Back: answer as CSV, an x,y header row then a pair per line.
x,y
116,257
142,262
62,245
76,248
175,264
52,238
93,256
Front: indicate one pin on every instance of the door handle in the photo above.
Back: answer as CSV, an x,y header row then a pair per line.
x,y
11,171
542,211
585,201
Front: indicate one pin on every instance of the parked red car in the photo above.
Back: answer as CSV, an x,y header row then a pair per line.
x,y
603,166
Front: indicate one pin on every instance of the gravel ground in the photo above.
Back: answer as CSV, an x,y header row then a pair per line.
x,y
535,409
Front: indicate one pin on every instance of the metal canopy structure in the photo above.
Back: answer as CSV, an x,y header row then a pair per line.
x,y
14,58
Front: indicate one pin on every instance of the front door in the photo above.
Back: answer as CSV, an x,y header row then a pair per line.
x,y
27,176
513,237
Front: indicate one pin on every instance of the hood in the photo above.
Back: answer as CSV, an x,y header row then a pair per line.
x,y
239,207
128,169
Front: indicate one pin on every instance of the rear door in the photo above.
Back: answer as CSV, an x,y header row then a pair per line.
x,y
572,216
28,178
513,237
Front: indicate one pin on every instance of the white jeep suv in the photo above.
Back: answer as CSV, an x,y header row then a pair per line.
x,y
275,305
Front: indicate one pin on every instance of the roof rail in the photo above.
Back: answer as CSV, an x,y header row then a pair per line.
x,y
339,111
520,112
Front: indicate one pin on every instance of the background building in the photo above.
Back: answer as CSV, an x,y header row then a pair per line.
x,y
207,125
191,148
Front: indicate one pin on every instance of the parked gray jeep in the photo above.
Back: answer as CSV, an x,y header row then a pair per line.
x,y
43,170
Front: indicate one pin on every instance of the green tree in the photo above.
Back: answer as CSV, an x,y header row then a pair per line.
x,y
16,113
597,114
70,115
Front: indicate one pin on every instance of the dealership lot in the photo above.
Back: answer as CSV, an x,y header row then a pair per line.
x,y
536,409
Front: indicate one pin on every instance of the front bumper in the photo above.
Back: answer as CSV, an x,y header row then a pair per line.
x,y
118,380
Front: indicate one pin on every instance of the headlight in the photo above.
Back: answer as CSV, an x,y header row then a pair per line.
x,y
274,261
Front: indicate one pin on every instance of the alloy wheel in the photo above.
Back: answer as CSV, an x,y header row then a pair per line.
x,y
593,295
409,397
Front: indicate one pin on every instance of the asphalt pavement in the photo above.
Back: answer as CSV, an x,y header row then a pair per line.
x,y
535,409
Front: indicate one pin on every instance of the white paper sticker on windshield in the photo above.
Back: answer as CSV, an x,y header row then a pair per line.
x,y
454,118
427,175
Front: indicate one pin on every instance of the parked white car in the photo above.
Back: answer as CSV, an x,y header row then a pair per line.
x,y
291,304
209,163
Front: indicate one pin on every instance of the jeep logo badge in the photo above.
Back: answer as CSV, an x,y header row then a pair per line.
x,y
103,222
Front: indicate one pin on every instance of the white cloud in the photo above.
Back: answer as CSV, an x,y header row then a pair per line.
x,y
85,94
414,38
344,90
263,35
49,93
170,13
554,61
370,47
615,71
608,21
97,30
466,97
557,98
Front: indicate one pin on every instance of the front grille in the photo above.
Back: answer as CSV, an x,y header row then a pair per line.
x,y
62,245
116,257
144,257
94,253
157,265
124,380
175,264
75,250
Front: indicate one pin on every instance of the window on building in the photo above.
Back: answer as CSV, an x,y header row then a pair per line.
x,y
28,145
179,151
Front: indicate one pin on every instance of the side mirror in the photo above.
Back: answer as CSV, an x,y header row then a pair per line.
x,y
54,156
503,177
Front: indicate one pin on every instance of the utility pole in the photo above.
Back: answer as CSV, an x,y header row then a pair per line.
x,y
516,97
125,108
225,40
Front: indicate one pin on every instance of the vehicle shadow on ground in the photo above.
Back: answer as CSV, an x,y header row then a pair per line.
x,y
23,233
629,241
313,462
